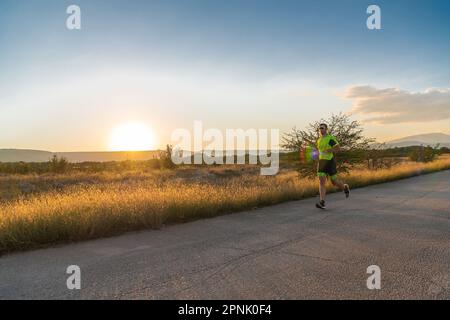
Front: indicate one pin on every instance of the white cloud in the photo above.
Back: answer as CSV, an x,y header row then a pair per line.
x,y
394,105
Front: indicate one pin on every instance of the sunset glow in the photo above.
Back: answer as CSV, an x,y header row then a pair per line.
x,y
132,137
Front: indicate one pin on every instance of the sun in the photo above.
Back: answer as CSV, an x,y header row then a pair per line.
x,y
132,137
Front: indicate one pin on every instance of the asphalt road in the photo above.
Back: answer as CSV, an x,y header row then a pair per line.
x,y
287,251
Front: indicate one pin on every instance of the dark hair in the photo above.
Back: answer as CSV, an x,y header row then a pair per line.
x,y
323,124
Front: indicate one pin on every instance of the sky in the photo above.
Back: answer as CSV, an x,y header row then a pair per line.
x,y
230,64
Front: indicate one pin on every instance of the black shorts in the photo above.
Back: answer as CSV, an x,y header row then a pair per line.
x,y
327,168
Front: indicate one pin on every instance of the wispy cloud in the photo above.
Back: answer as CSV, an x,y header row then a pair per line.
x,y
393,105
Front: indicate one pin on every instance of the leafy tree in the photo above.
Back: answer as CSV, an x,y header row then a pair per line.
x,y
348,132
58,165
425,154
166,158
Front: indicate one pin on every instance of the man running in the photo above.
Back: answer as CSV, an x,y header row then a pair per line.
x,y
327,145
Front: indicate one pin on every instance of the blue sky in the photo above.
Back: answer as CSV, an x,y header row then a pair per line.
x,y
230,64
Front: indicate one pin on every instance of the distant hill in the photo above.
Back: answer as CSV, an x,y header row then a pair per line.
x,y
108,156
17,155
421,139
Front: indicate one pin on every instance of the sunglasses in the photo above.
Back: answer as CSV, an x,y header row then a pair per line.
x,y
322,128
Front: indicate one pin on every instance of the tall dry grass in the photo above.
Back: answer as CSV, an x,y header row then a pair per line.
x,y
98,210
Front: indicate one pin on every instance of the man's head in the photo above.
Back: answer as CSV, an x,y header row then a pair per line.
x,y
323,129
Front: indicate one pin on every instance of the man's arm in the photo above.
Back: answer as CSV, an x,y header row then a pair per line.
x,y
334,147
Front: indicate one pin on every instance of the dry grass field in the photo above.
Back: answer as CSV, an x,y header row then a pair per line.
x,y
40,210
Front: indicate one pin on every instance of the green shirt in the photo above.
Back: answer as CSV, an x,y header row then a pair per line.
x,y
324,143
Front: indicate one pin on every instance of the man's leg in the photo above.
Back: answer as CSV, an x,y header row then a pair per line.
x,y
322,186
322,190
343,186
337,183
322,169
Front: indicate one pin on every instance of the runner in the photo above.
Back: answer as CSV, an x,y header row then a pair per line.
x,y
327,145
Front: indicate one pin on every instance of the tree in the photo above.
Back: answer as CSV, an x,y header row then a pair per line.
x,y
425,154
348,132
58,165
166,158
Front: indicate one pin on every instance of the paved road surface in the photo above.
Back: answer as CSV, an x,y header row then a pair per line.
x,y
287,251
